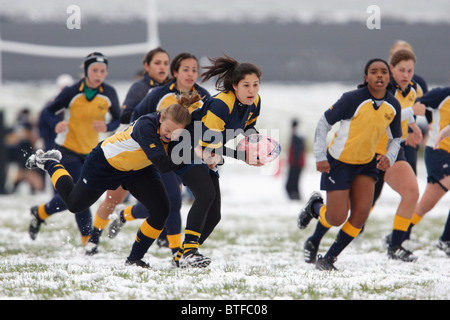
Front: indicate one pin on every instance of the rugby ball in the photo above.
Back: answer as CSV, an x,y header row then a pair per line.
x,y
260,147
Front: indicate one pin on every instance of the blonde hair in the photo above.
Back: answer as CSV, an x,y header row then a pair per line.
x,y
179,112
400,45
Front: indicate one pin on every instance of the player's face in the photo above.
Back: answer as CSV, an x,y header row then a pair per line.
x,y
378,77
169,130
186,75
247,89
96,75
403,73
158,68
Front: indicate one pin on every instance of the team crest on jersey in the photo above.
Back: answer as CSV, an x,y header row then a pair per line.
x,y
152,146
388,116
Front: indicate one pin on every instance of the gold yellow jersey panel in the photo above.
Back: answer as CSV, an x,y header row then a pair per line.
x,y
80,113
406,100
437,101
124,153
132,149
356,139
81,136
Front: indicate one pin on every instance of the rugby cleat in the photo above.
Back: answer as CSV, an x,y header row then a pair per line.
x,y
175,261
194,259
326,263
115,226
137,263
91,249
176,256
35,223
387,239
40,158
308,212
444,246
310,252
400,253
162,242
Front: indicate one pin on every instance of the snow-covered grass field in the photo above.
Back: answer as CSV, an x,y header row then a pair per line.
x,y
256,250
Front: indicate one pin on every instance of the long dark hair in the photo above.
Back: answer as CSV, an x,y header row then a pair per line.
x,y
149,56
176,62
229,72
366,70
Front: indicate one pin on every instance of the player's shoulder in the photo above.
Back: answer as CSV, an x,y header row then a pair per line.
x,y
108,89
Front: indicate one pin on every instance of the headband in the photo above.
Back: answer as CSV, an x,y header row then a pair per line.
x,y
94,57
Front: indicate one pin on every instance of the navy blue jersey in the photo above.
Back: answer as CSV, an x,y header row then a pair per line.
x,y
163,96
135,94
223,117
437,101
422,86
133,148
80,112
362,124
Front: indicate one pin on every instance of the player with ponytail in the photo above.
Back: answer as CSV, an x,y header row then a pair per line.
x,y
132,158
235,108
184,69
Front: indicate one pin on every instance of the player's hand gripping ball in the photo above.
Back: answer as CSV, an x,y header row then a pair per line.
x,y
260,147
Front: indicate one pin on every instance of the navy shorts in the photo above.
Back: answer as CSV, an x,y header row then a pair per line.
x,y
98,174
184,169
342,174
401,156
437,163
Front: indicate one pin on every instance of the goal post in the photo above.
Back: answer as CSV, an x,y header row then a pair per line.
x,y
79,52
152,42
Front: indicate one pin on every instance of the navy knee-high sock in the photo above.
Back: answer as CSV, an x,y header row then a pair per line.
x,y
343,239
144,239
446,234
